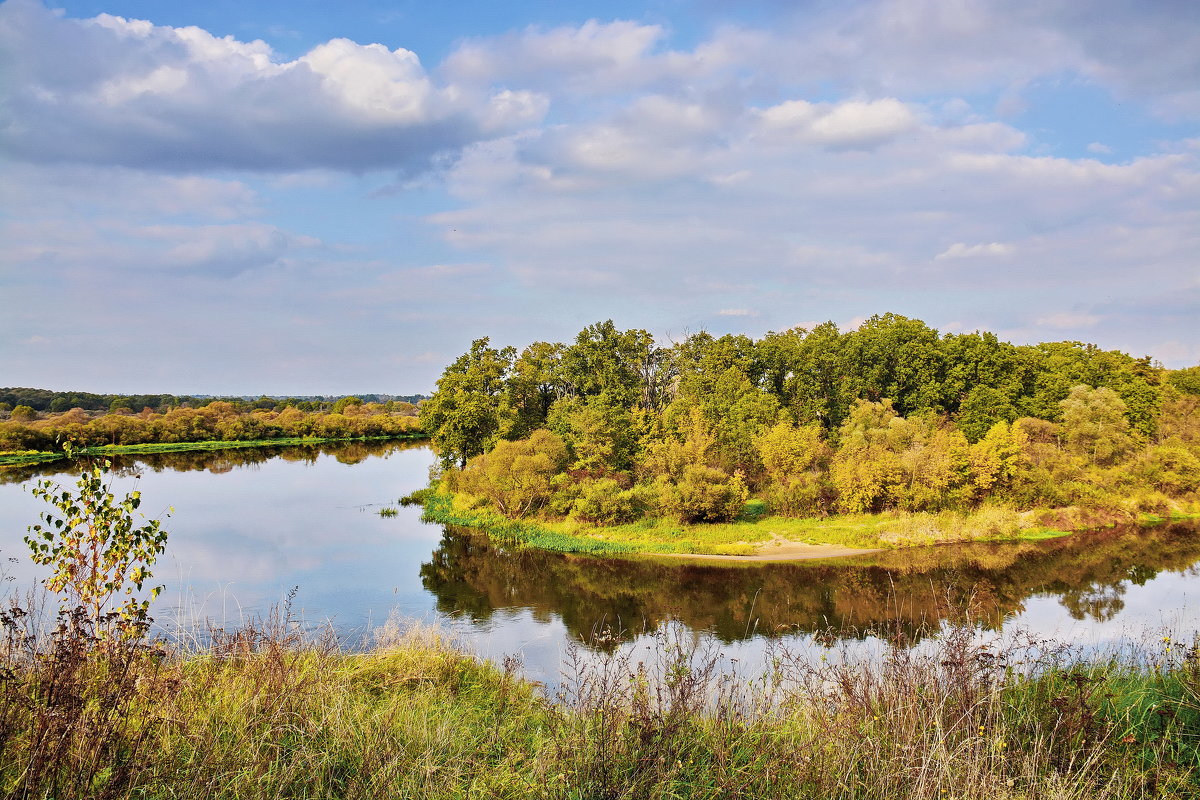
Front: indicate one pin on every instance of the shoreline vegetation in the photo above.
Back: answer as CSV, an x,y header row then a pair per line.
x,y
890,435
31,437
264,712
762,538
10,459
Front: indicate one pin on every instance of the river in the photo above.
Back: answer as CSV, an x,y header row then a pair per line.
x,y
251,528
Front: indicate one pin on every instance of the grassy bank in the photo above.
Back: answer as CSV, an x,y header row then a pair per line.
x,y
263,714
749,535
35,457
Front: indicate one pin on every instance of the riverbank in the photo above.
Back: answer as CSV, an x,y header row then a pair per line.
x,y
759,537
262,713
23,458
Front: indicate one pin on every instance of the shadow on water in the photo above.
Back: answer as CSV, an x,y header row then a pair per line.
x,y
216,461
912,590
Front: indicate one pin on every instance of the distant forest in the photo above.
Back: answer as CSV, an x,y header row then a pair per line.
x,y
166,419
51,401
893,415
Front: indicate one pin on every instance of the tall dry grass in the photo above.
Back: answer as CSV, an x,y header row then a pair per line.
x,y
264,711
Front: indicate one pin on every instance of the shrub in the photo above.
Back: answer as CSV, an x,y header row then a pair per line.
x,y
705,495
604,502
517,477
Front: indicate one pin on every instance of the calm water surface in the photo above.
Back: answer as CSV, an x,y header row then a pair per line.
x,y
251,525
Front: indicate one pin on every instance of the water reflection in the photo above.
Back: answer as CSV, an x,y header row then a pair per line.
x,y
911,590
250,524
215,461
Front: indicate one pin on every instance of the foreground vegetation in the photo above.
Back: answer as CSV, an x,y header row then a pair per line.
x,y
905,436
262,713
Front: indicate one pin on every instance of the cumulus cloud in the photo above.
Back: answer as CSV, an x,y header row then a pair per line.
x,y
844,160
850,124
112,91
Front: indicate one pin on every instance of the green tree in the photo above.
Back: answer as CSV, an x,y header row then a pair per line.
x,y
607,363
533,384
1094,424
1185,380
96,552
866,470
704,494
998,458
343,403
467,412
982,408
599,436
897,358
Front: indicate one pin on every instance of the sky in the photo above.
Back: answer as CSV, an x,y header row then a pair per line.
x,y
295,197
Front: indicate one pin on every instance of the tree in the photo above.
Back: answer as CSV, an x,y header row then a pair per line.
x,y
96,552
607,363
898,358
467,412
598,435
1094,424
998,458
344,403
1185,380
981,409
533,384
866,470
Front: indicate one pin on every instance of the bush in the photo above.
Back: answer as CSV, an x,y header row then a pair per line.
x,y
604,502
810,495
1171,468
517,477
704,495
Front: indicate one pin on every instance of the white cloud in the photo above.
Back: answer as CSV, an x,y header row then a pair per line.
x,y
961,250
850,124
595,57
112,247
808,169
1099,148
111,91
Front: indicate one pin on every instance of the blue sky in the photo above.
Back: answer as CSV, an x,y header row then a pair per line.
x,y
310,197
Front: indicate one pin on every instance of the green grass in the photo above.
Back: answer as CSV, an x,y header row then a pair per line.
x,y
743,537
33,457
24,457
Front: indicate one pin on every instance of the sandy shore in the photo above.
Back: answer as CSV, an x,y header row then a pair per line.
x,y
780,550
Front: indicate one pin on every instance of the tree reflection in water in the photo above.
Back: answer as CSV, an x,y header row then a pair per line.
x,y
216,461
909,591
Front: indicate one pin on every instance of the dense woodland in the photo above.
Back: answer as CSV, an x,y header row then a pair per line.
x,y
613,427
218,420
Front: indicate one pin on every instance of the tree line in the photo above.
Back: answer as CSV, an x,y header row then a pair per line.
x,y
218,420
891,415
50,401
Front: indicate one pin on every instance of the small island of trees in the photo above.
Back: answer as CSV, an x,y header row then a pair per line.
x,y
945,436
